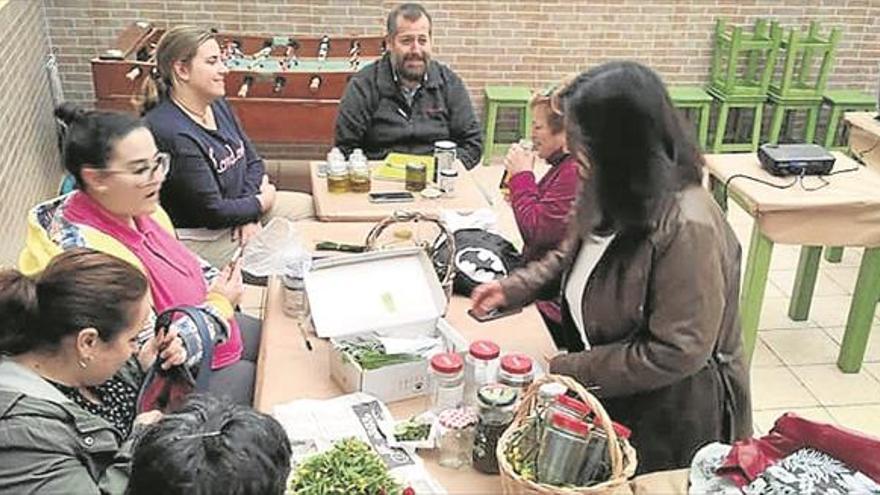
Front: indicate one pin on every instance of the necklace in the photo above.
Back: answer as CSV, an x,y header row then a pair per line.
x,y
201,117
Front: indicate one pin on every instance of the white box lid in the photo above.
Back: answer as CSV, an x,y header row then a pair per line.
x,y
394,292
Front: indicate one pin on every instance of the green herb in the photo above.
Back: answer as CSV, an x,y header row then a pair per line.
x,y
411,430
371,355
350,467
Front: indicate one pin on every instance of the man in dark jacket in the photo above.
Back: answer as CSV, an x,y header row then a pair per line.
x,y
405,101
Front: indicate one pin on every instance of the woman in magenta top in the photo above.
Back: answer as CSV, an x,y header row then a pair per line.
x,y
541,207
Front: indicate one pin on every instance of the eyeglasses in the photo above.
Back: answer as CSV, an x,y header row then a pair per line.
x,y
146,169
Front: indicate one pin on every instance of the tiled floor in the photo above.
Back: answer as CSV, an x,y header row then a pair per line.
x,y
794,363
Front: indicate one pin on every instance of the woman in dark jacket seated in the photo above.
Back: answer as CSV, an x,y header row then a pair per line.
x,y
650,270
68,374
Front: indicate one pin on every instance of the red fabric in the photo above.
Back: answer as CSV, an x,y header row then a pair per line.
x,y
541,212
749,458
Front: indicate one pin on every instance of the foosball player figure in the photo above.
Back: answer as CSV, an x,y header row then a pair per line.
x,y
279,84
354,54
134,73
314,84
323,48
290,53
265,51
245,86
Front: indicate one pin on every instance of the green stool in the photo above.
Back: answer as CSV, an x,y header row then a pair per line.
x,y
693,97
799,88
742,86
840,101
505,97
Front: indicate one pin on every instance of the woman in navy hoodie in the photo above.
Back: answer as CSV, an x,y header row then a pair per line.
x,y
217,191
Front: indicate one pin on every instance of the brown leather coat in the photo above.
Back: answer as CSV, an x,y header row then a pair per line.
x,y
661,315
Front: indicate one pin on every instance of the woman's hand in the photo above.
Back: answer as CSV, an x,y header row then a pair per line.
x,y
169,347
486,297
229,284
246,232
518,160
267,195
148,417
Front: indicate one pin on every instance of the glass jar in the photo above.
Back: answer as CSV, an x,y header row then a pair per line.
x,y
517,371
359,172
563,450
597,462
480,368
456,437
416,176
444,156
547,394
295,303
496,409
337,176
446,382
571,406
446,181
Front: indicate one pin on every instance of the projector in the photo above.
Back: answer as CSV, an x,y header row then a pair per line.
x,y
795,159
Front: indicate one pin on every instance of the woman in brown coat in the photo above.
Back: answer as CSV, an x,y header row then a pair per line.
x,y
649,274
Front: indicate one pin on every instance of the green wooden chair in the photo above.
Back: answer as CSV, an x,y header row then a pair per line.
x,y
840,101
505,97
800,87
742,66
687,98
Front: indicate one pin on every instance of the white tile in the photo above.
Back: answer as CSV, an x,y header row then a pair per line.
x,y
785,257
825,285
766,418
774,315
834,388
763,357
865,419
843,276
872,352
775,388
830,311
802,346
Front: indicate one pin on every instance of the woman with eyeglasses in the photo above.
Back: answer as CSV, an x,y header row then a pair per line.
x,y
70,370
541,207
116,210
648,273
217,191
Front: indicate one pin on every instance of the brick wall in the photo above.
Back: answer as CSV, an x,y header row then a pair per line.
x,y
523,42
29,163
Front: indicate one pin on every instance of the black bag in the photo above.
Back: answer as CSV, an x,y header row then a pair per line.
x,y
480,256
166,390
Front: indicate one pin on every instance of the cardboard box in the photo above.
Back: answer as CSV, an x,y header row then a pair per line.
x,y
392,293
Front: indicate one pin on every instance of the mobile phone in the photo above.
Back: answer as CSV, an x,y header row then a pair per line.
x,y
494,314
391,197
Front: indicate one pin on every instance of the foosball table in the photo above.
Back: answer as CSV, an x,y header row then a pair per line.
x,y
283,88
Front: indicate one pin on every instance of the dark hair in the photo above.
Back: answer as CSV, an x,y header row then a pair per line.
x,y
180,43
621,117
80,288
91,135
209,446
411,12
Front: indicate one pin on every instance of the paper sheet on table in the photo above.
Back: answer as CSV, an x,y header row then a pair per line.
x,y
314,425
394,166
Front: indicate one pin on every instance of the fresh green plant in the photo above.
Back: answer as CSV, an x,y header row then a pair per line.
x,y
411,430
371,355
351,467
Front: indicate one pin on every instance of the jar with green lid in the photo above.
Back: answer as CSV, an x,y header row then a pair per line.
x,y
496,410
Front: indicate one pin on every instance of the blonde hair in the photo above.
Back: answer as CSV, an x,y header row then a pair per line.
x,y
179,43
549,98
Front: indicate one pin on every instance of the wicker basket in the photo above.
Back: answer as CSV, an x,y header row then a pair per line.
x,y
623,460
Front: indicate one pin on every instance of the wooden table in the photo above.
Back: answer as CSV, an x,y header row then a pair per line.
x,y
845,213
864,137
355,207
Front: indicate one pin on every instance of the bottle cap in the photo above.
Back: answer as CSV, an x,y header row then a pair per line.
x,y
573,404
570,424
516,364
496,394
484,349
447,362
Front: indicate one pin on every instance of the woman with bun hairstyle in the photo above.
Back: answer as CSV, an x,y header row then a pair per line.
x,y
70,370
116,210
217,191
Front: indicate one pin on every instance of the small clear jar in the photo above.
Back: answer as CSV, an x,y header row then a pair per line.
x,y
337,177
496,410
446,181
295,303
517,371
359,172
563,450
455,439
480,368
445,153
416,176
446,382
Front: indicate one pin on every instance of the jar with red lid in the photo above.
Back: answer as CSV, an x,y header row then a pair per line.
x,y
563,449
597,463
517,371
446,382
480,368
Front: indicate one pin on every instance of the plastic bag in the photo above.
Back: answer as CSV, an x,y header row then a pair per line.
x,y
276,250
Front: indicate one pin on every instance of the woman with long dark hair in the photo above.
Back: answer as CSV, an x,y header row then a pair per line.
x,y
648,274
